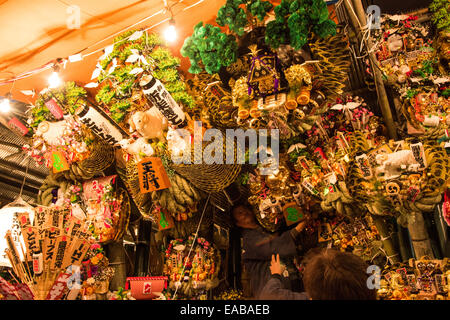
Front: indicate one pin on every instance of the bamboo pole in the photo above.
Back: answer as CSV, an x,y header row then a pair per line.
x,y
389,239
116,256
404,244
419,237
357,16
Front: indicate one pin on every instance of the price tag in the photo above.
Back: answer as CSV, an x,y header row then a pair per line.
x,y
78,250
60,251
59,162
54,108
50,244
292,213
165,221
31,239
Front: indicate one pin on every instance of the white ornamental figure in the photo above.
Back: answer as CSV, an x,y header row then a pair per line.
x,y
52,132
150,124
138,148
392,164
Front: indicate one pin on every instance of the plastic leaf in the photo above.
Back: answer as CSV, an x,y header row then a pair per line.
x,y
296,147
143,60
109,49
136,71
96,72
132,58
353,105
441,80
136,35
28,92
113,67
337,107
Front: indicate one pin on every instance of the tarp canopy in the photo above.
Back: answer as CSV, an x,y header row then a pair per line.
x,y
35,33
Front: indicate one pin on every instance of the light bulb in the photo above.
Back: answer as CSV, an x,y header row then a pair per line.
x,y
5,106
54,81
170,34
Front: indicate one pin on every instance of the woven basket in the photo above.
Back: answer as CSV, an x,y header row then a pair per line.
x,y
101,158
210,178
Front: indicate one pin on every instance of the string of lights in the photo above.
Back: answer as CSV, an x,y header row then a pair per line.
x,y
170,35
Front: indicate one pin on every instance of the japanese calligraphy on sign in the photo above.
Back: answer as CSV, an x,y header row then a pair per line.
x,y
59,287
101,124
12,248
78,250
419,154
158,95
54,108
31,239
308,186
50,244
17,126
152,175
24,219
364,166
58,257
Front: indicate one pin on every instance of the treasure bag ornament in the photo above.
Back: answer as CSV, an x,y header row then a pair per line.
x,y
146,288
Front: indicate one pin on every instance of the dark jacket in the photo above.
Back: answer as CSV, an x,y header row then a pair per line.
x,y
259,247
275,290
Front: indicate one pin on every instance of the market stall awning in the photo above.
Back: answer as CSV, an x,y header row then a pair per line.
x,y
35,33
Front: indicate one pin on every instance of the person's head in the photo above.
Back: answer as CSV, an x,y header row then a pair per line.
x,y
243,217
333,275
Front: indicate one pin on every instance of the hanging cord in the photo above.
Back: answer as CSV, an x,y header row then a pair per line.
x,y
365,32
24,177
365,38
192,246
